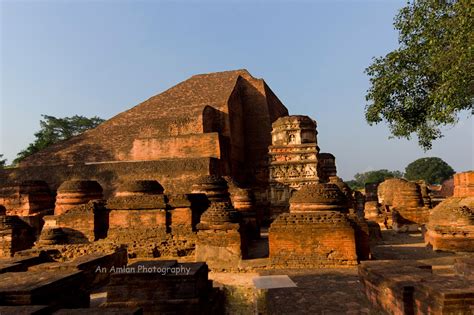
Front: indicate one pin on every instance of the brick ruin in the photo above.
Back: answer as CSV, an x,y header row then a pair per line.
x,y
414,287
398,204
451,223
210,124
317,231
372,207
76,192
405,202
295,160
194,178
441,285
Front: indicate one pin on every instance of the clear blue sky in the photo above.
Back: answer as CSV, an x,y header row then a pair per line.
x,y
102,57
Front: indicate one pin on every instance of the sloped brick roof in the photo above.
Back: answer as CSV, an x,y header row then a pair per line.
x,y
176,111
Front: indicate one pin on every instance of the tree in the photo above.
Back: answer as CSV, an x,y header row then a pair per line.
x,y
360,179
55,129
3,162
429,79
432,170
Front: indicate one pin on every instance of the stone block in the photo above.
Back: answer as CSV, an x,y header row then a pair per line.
x,y
161,287
101,311
58,289
410,287
311,240
25,310
26,198
73,193
95,267
15,235
464,184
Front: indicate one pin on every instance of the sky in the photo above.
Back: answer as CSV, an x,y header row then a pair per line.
x,y
63,58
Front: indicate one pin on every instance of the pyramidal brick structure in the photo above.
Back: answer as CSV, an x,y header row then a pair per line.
x,y
211,124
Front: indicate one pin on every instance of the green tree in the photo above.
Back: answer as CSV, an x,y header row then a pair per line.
x,y
432,170
55,129
429,79
360,179
3,162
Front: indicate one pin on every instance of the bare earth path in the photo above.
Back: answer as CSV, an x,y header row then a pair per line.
x,y
338,291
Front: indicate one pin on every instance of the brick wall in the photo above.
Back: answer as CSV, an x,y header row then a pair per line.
x,y
308,240
194,145
464,184
175,175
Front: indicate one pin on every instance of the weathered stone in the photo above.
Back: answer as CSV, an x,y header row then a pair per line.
x,y
346,190
439,193
102,311
372,208
145,202
464,184
58,289
425,194
398,192
294,150
76,192
316,197
218,213
95,267
80,224
220,241
139,188
375,234
312,239
15,235
185,212
243,202
464,266
216,123
20,263
26,310
161,287
293,159
403,200
359,200
410,287
327,166
53,236
26,198
451,225
214,187
317,231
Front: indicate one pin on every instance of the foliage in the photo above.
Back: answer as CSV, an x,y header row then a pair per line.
x,y
55,129
429,79
353,184
360,179
3,162
432,170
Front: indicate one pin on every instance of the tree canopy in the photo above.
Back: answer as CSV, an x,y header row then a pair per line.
x,y
3,162
432,170
55,129
360,179
429,79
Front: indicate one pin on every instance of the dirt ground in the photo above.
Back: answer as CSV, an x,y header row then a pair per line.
x,y
337,291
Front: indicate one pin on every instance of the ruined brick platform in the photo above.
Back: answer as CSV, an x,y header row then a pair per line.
x,y
412,287
185,291
318,231
58,289
451,222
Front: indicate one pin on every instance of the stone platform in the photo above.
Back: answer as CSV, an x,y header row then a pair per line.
x,y
161,287
58,289
415,287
